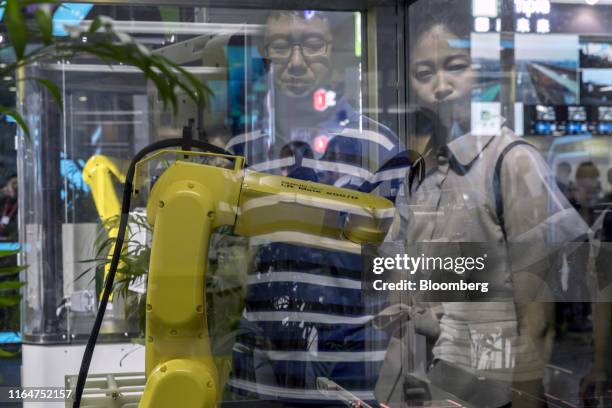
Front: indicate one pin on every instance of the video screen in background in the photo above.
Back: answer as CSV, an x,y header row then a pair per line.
x,y
562,120
595,53
604,113
596,87
546,69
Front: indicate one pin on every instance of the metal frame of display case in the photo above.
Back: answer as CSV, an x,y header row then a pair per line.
x,y
337,5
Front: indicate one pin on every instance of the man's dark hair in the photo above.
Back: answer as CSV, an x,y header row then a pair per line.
x,y
303,14
587,170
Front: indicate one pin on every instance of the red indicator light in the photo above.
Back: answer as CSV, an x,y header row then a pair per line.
x,y
320,143
319,100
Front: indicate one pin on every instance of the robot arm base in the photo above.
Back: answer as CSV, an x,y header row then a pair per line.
x,y
180,382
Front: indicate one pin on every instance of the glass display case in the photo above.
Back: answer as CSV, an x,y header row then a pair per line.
x,y
74,163
505,101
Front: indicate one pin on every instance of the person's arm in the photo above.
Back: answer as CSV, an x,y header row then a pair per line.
x,y
539,223
592,385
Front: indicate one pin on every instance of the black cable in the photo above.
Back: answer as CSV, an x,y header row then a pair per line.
x,y
110,277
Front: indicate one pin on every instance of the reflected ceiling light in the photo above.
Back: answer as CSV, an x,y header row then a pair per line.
x,y
178,28
498,24
591,2
8,78
82,98
1,38
99,68
308,14
482,24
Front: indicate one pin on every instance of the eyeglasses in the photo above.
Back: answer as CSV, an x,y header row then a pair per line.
x,y
310,47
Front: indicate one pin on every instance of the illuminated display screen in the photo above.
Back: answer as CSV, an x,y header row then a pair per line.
x,y
576,113
561,120
595,53
69,14
545,112
604,113
596,87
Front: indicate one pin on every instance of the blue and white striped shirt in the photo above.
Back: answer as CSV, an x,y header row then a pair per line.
x,y
305,315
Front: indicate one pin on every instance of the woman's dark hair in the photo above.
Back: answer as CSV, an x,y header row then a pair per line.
x,y
454,15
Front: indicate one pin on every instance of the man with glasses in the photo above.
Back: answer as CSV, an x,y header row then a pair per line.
x,y
304,314
300,56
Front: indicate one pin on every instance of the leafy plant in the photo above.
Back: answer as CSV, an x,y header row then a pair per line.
x,y
32,41
224,283
9,288
134,262
133,265
29,28
224,289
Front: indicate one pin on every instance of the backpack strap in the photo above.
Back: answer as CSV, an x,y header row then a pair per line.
x,y
497,190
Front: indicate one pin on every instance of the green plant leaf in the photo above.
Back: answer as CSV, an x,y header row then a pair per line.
x,y
7,354
16,27
32,2
18,118
202,91
4,253
53,90
9,300
11,285
11,270
95,25
45,25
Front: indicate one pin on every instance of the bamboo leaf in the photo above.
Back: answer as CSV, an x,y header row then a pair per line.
x,y
95,25
33,2
7,354
45,25
11,270
9,300
16,27
203,91
4,254
11,285
53,90
18,118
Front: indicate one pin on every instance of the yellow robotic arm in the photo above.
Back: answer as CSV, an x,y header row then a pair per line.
x,y
187,203
98,174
